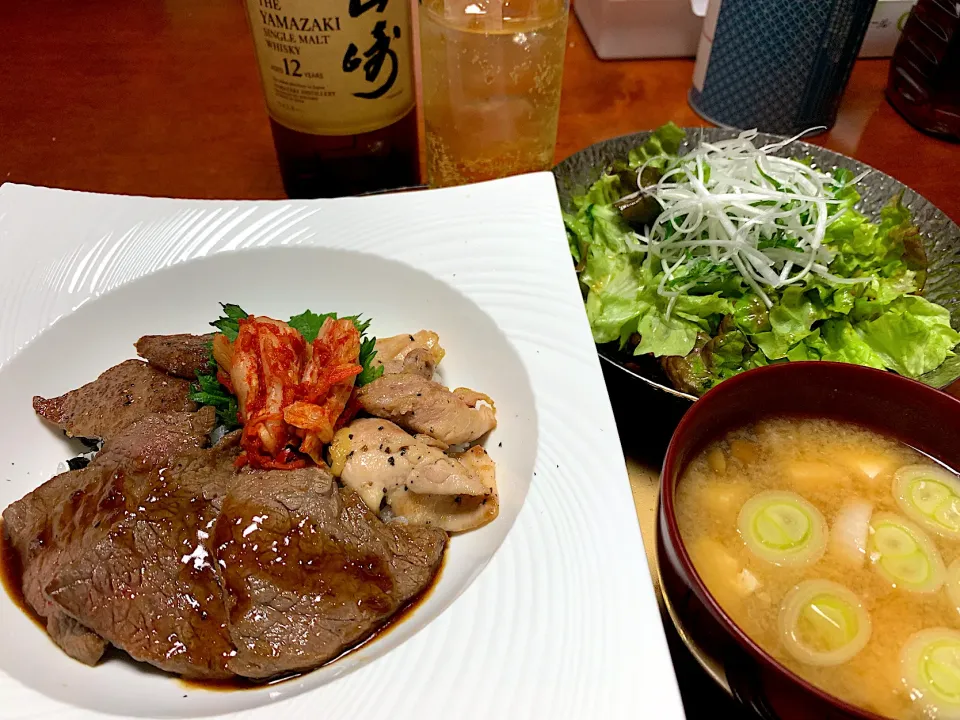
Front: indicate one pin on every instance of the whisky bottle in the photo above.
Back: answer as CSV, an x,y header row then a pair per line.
x,y
338,81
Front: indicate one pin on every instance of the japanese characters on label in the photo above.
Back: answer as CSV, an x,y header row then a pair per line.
x,y
334,67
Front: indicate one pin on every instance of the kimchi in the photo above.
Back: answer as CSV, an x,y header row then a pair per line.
x,y
292,394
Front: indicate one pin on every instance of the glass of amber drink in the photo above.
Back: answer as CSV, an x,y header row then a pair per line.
x,y
491,73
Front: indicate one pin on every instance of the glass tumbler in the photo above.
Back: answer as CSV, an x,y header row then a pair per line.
x,y
491,76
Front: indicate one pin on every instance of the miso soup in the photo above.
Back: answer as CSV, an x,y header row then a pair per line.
x,y
837,550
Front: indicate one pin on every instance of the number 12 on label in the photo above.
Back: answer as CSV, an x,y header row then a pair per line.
x,y
292,67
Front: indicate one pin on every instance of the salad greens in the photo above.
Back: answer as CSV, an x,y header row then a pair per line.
x,y
749,259
208,390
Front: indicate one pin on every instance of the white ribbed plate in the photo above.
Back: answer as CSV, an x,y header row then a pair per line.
x,y
547,612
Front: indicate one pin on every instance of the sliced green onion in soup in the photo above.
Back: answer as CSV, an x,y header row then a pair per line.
x,y
904,554
782,528
823,623
929,495
930,669
952,583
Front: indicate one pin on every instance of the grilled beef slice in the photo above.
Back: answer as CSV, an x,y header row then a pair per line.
x,y
308,571
178,355
165,550
121,395
71,509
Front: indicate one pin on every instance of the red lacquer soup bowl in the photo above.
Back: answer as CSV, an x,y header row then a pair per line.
x,y
922,417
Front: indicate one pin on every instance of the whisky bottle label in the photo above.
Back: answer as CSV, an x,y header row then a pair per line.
x,y
334,67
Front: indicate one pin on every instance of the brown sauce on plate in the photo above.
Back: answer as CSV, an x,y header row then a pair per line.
x,y
11,577
239,683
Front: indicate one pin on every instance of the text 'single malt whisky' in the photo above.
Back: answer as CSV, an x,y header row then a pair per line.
x,y
338,80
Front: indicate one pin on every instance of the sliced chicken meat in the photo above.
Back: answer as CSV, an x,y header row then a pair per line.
x,y
453,513
418,361
424,406
415,480
392,352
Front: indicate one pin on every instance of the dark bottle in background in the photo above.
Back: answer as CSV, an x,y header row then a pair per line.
x,y
338,81
924,83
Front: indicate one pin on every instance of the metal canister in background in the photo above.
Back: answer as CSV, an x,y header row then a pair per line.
x,y
777,65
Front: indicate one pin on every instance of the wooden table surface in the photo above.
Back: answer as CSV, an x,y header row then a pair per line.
x,y
162,97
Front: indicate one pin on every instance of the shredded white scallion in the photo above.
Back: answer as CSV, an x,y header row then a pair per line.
x,y
731,203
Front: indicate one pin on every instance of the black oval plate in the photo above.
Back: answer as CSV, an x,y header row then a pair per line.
x,y
941,239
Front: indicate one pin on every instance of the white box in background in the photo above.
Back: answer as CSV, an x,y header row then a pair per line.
x,y
884,30
623,29
620,29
